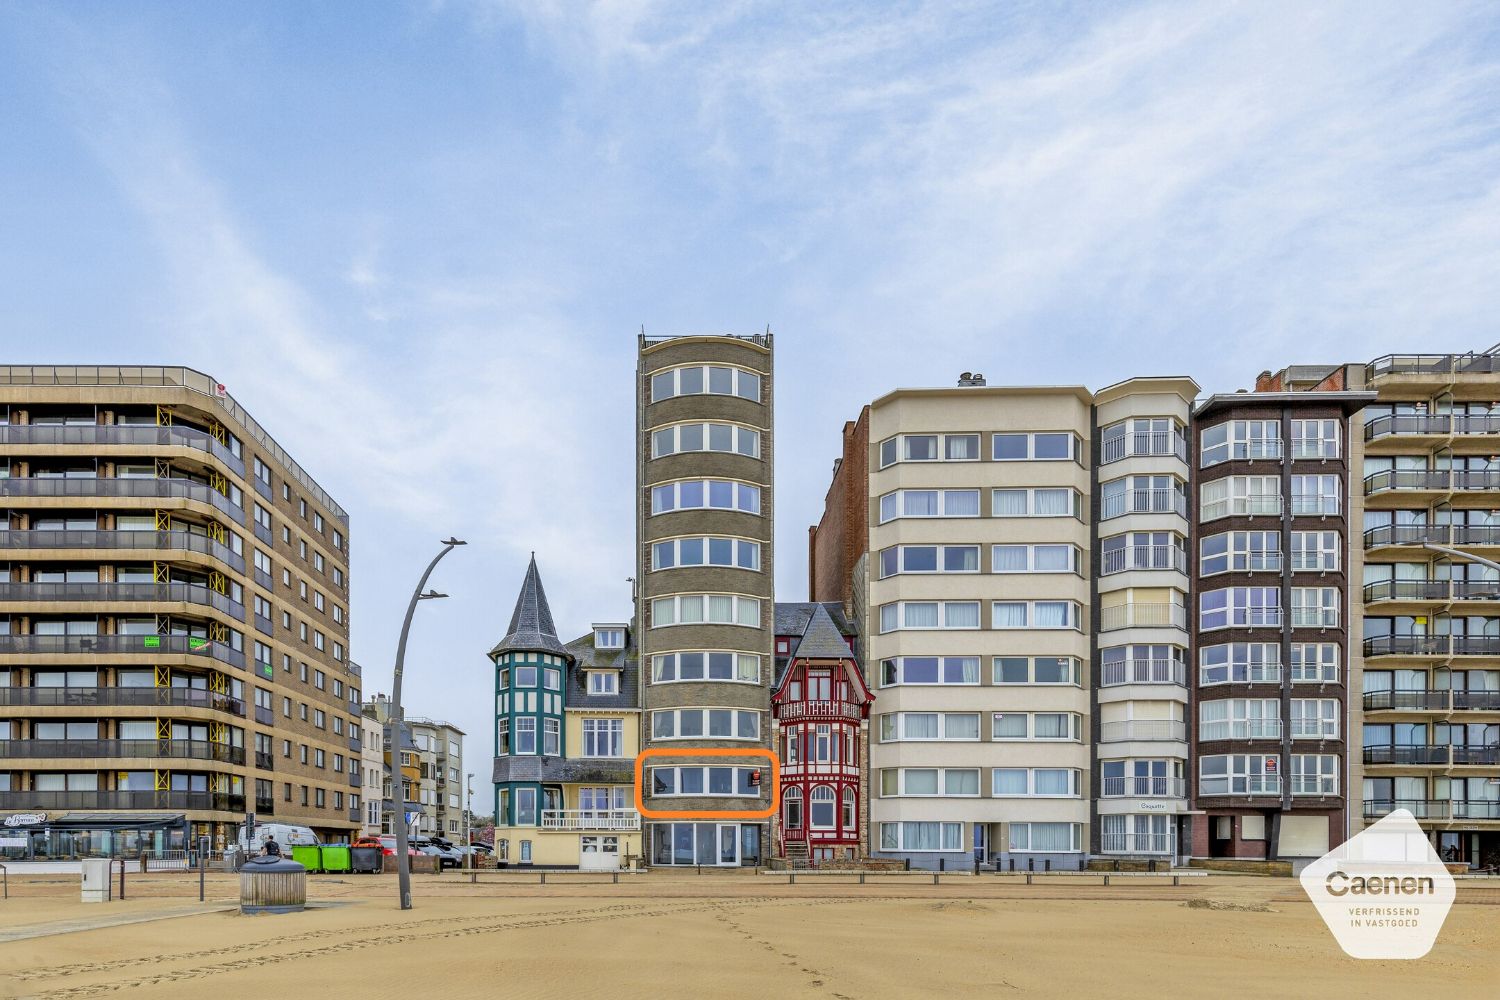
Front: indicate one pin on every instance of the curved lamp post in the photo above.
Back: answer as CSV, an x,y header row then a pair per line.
x,y
397,723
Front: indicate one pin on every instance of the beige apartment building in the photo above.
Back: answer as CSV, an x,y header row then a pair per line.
x,y
375,776
431,765
174,619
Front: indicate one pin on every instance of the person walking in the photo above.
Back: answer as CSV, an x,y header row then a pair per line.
x,y
269,848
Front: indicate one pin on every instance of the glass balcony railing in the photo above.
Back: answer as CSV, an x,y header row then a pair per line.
x,y
50,800
150,489
1402,754
1420,480
1411,534
1407,645
89,697
1418,700
140,436
1435,365
145,541
122,593
1474,534
148,645
222,753
1408,590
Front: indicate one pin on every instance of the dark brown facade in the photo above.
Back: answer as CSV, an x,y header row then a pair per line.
x,y
842,535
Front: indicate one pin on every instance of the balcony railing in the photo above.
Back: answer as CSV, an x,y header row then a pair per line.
x,y
1254,505
1143,787
1476,479
1242,729
1406,645
1314,784
1419,753
591,819
154,541
122,593
76,749
1315,505
265,807
1144,557
1407,590
1476,701
1418,700
1476,645
148,489
1433,364
1143,671
1411,534
1142,729
1145,501
1475,590
264,760
1315,617
89,697
1467,756
49,800
1408,479
117,434
1474,534
153,645
1241,784
1408,423
1164,444
838,711
1135,843
1420,808
1476,809
1138,615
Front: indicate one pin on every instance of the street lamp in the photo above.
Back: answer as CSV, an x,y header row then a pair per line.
x,y
469,819
403,863
1461,554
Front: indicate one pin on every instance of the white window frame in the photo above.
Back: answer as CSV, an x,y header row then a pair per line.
x,y
1239,496
1243,440
941,776
1325,666
740,377
1241,554
666,667
1321,778
1238,612
1029,493
1030,551
739,435
944,608
1315,607
899,665
1245,774
603,682
737,717
1239,719
1326,500
746,610
895,836
1323,442
1243,663
667,554
1071,621
941,558
1315,718
1074,671
893,727
1075,783
1315,552
942,497
1020,841
672,493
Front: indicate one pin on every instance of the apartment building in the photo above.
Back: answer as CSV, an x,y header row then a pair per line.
x,y
1272,508
705,600
1140,649
431,768
958,530
567,732
174,616
1427,715
375,777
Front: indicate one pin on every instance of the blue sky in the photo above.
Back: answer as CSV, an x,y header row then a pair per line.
x,y
451,220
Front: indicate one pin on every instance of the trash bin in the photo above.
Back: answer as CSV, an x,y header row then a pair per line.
x,y
334,857
96,880
272,885
307,855
366,859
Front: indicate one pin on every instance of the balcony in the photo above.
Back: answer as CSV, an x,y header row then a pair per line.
x,y
1476,479
142,489
1470,756
1135,843
354,816
203,801
1253,505
1144,730
354,778
1476,701
135,436
152,645
1407,590
819,711
1440,367
1476,645
1139,615
1147,444
1414,754
1314,785
1131,786
1315,506
121,593
1409,425
1243,729
1420,808
1143,671
1476,809
265,807
1407,645
1241,785
1475,590
1409,481
1147,501
1414,534
223,753
1315,618
1144,557
1483,535
1413,700
143,541
153,697
264,760
590,819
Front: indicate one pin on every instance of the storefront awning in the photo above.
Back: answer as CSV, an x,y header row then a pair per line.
x,y
115,820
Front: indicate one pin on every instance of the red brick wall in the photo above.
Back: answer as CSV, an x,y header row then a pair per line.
x,y
841,536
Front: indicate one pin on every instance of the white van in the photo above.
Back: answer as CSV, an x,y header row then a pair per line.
x,y
285,835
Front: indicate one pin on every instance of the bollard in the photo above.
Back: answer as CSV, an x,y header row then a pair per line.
x,y
941,863
1012,863
861,878
976,866
544,878
1106,878
122,878
474,876
1082,866
616,879
1031,864
935,877
1046,864
1176,880
1028,878
908,864
202,864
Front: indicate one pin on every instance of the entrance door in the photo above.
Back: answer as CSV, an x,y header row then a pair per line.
x,y
981,842
599,854
729,845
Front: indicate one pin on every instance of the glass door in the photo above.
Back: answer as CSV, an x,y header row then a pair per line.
x,y
729,844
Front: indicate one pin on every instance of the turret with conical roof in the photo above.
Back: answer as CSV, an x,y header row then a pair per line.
x,y
531,627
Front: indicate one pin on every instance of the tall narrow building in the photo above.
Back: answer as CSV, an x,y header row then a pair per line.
x,y
705,598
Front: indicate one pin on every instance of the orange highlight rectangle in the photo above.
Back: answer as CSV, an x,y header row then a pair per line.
x,y
733,814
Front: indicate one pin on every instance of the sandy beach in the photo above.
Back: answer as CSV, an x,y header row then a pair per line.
x,y
721,936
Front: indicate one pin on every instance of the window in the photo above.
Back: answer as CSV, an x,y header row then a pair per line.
x,y
1240,663
320,680
1034,559
929,448
1142,495
694,380
551,737
697,723
705,551
1038,838
1239,774
1035,726
920,727
1315,438
1142,663
603,737
930,670
708,665
502,735
1315,663
1316,495
526,735
604,682
1315,607
1036,670
1142,436
1240,551
1239,719
1240,439
1035,615
920,837
1315,774
1315,719
609,638
732,782
1239,607
319,718
929,559
705,494
1039,782
681,438
552,678
904,615
1143,550
1041,447
705,609
1240,496
1315,551
929,503
1039,502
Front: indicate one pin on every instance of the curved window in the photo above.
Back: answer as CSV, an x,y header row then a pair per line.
x,y
705,494
929,448
710,550
697,380
1240,662
700,723
733,782
1240,439
792,804
821,808
700,665
705,609
729,438
1239,607
929,559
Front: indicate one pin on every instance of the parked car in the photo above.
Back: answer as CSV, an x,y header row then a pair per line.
x,y
484,850
388,846
448,857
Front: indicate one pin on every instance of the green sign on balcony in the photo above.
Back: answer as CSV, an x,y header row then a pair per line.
x,y
266,669
195,643
151,641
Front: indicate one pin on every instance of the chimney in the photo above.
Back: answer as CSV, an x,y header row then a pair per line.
x,y
970,379
1266,382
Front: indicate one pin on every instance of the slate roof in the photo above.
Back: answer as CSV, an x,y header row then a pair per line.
x,y
822,639
531,627
586,657
797,619
792,618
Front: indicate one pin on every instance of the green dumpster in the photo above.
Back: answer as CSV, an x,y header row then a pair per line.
x,y
306,855
335,857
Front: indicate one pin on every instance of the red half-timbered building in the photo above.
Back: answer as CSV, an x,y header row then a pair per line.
x,y
821,706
